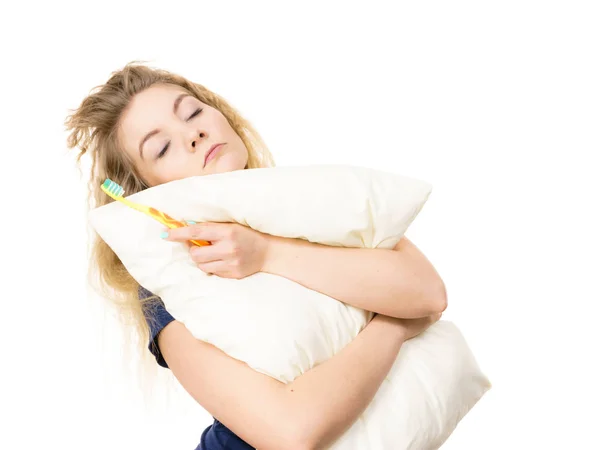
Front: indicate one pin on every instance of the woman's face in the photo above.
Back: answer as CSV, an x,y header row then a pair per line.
x,y
168,134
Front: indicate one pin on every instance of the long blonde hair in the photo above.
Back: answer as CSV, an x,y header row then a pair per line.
x,y
93,128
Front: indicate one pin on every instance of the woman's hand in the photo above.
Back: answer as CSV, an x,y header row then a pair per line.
x,y
236,251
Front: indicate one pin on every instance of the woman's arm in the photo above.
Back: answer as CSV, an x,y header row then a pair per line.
x,y
397,283
313,410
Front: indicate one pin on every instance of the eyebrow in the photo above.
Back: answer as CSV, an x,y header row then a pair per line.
x,y
176,104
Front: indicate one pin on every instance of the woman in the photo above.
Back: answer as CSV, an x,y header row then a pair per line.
x,y
145,127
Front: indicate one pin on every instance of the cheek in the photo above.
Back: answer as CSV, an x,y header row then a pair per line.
x,y
233,160
167,170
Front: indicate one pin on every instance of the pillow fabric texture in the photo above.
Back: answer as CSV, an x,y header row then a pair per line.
x,y
281,328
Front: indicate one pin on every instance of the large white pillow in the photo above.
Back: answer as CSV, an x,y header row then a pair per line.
x,y
281,328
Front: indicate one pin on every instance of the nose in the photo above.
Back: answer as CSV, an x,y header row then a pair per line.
x,y
195,141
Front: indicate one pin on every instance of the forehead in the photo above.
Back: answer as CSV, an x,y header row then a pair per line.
x,y
147,110
156,100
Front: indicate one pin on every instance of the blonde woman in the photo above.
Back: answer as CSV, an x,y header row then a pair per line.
x,y
147,126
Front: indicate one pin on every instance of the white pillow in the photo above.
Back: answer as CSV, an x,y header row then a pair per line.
x,y
281,328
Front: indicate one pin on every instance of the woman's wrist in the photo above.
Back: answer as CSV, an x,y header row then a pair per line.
x,y
389,325
277,248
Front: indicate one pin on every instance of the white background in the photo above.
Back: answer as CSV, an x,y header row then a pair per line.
x,y
497,104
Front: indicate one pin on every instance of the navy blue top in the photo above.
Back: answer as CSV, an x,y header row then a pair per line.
x,y
215,437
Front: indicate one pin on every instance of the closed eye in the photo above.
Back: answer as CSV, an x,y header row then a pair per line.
x,y
166,147
195,113
164,150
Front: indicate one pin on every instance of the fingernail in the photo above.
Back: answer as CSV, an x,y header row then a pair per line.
x,y
190,222
164,235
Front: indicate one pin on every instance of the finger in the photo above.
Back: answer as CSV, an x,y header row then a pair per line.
x,y
212,268
206,231
208,253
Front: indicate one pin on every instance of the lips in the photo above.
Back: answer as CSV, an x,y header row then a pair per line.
x,y
211,150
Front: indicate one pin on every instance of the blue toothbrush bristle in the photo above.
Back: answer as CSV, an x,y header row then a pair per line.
x,y
113,187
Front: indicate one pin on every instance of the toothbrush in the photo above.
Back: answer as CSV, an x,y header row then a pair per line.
x,y
116,192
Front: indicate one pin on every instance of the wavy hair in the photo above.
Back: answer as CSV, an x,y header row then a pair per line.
x,y
93,129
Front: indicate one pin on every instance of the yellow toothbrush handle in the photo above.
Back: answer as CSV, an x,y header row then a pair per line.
x,y
167,220
163,218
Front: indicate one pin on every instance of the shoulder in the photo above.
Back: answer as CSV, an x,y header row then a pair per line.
x,y
153,307
151,304
144,293
157,317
